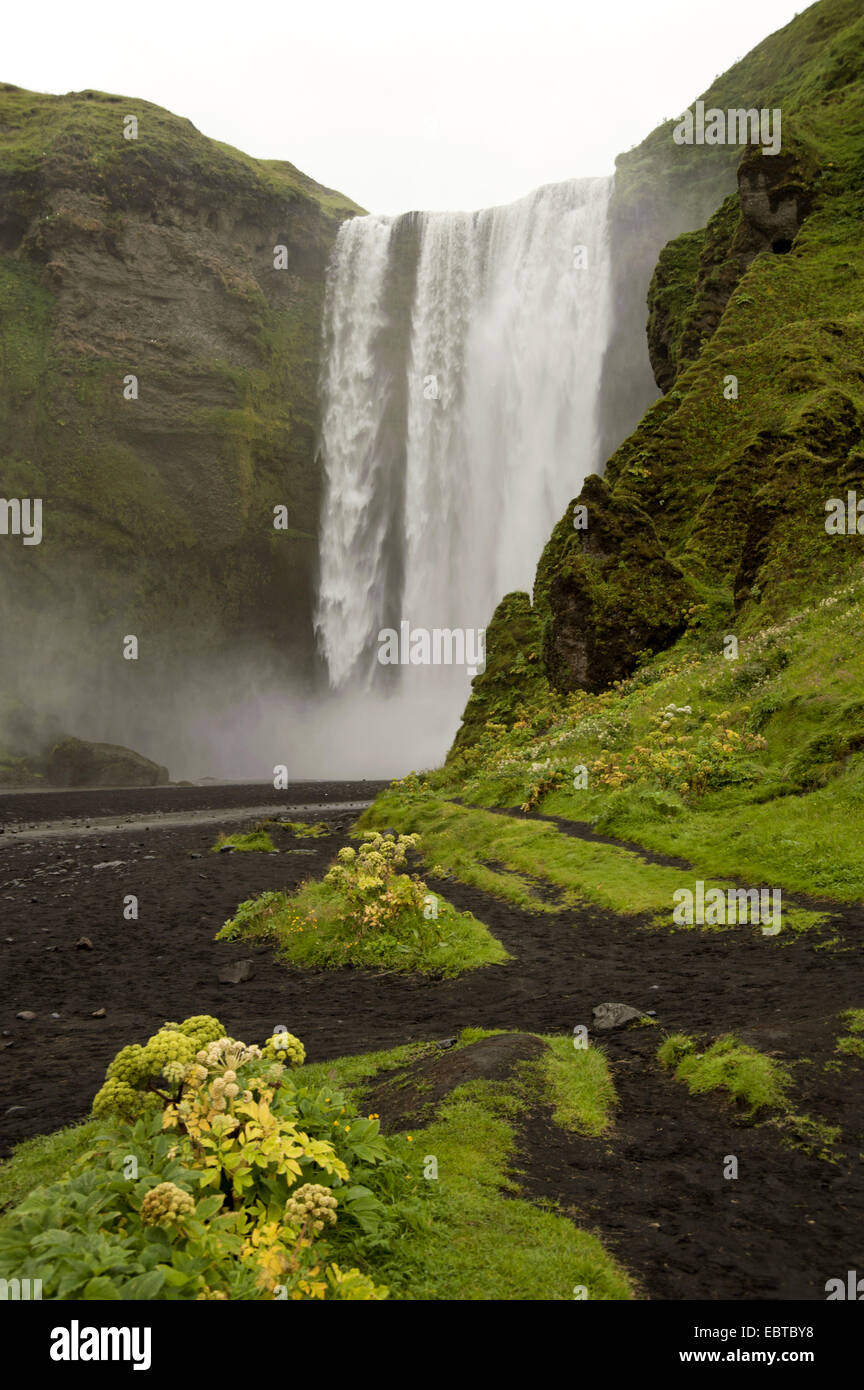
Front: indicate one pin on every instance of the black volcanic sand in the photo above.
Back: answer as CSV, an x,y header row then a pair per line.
x,y
653,1187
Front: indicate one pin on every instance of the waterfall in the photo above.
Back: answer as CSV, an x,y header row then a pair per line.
x,y
462,356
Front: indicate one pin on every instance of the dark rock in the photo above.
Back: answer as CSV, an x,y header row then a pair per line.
x,y
609,1016
76,763
237,973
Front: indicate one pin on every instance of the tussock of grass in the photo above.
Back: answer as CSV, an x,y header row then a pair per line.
x,y
256,841
750,1077
579,1085
755,1081
309,929
367,913
303,829
852,1043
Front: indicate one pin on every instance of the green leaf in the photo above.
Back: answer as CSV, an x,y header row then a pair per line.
x,y
101,1288
145,1286
208,1206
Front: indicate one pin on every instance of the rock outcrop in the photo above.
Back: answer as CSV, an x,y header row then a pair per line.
x,y
76,763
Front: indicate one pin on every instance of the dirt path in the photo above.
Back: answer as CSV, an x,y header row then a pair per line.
x,y
713,1238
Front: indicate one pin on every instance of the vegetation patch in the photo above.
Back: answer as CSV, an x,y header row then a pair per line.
x,y
460,841
248,1174
368,912
851,1043
256,841
752,1079
759,1084
303,829
218,1173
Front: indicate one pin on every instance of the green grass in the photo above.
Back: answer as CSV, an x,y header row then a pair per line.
x,y
759,1084
777,800
309,928
45,1159
483,1241
303,829
579,1085
851,1044
459,840
256,841
751,1078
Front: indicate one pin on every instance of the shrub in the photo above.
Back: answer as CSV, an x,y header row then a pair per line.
x,y
209,1196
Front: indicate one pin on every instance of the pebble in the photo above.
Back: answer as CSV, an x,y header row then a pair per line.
x,y
26,1014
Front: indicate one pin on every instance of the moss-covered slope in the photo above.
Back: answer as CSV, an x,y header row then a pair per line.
x,y
663,190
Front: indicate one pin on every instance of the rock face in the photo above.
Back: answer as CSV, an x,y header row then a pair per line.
x,y
76,763
158,392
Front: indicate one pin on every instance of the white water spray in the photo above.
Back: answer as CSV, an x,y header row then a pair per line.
x,y
459,419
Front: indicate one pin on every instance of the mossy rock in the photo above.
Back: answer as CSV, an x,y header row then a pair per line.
x,y
77,763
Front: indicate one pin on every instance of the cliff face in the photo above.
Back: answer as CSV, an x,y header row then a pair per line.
x,y
711,514
154,258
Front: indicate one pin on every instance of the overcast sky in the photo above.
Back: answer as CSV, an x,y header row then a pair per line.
x,y
400,103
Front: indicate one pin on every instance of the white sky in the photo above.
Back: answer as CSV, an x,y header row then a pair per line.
x,y
400,103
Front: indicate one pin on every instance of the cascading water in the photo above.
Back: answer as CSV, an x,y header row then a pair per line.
x,y
460,390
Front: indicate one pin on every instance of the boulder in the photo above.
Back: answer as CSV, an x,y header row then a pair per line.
x,y
76,763
609,1016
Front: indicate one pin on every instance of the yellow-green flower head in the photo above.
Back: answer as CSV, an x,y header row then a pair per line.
x,y
166,1205
118,1098
129,1066
284,1047
311,1206
167,1046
